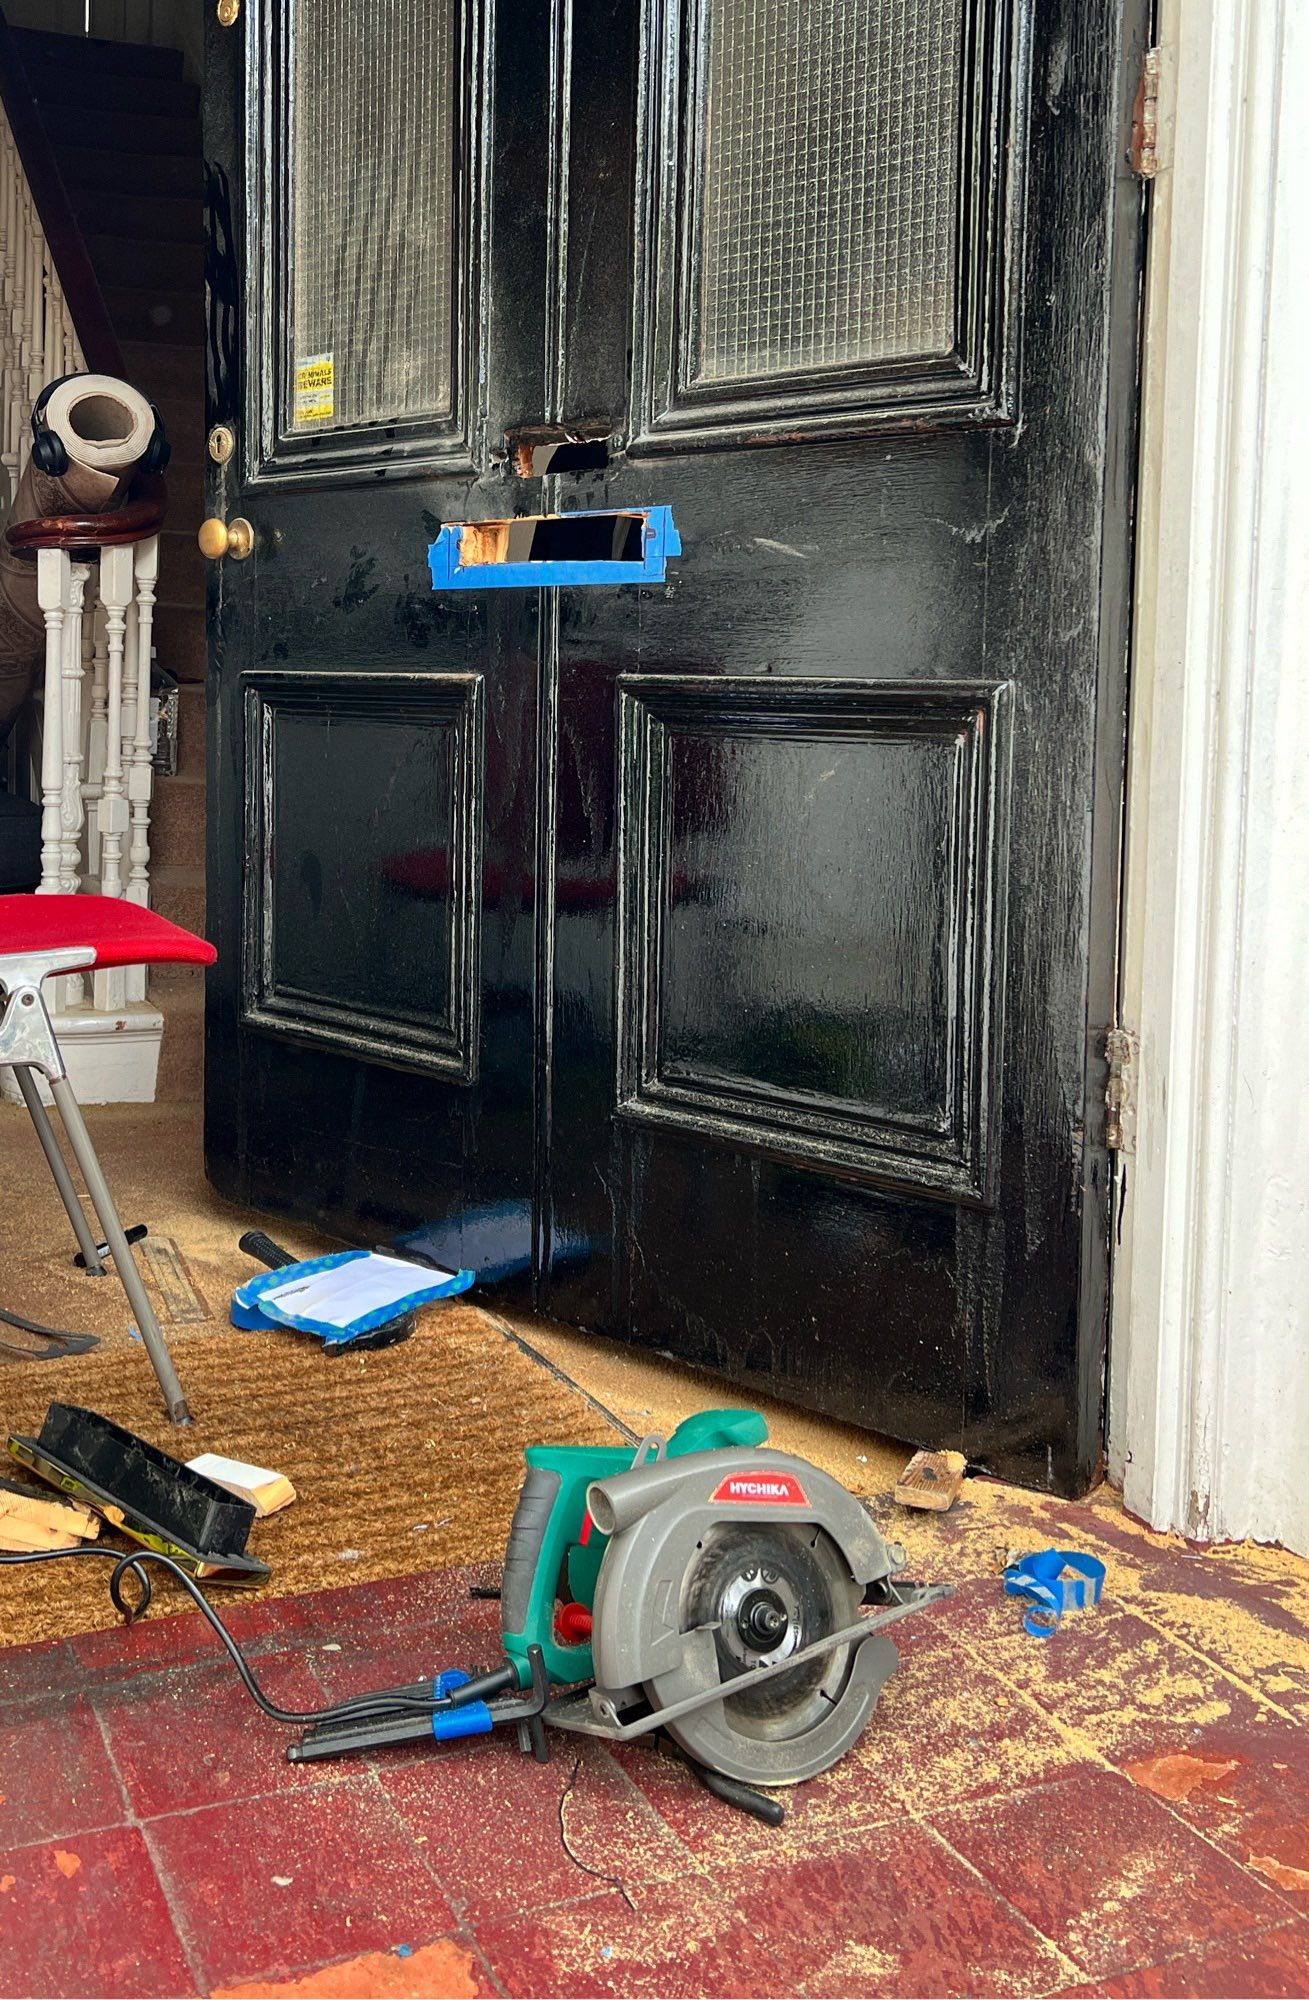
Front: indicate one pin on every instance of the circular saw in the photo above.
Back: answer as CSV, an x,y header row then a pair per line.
x,y
707,1589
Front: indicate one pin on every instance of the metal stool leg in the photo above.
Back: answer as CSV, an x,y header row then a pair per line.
x,y
103,1202
45,1132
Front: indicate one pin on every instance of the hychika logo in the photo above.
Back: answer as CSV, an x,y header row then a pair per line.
x,y
777,1489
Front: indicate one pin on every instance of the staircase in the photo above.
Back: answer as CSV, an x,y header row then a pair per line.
x,y
125,128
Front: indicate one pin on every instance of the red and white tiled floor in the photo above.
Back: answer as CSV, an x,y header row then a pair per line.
x,y
1116,1810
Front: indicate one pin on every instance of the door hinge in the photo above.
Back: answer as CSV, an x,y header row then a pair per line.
x,y
1143,151
1122,1052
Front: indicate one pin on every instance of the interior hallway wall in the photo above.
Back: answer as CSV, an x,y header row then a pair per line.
x,y
1209,1390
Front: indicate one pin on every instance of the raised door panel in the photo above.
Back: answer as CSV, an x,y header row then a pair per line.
x,y
825,217
371,161
809,922
363,877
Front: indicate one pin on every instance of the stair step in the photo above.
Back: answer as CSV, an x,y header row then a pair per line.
x,y
101,170
63,87
182,1055
191,733
177,824
179,894
104,128
172,267
41,45
147,313
181,568
179,638
158,218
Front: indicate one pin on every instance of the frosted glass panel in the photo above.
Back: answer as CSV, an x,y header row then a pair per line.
x,y
828,184
371,236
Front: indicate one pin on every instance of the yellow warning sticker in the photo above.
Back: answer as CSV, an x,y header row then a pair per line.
x,y
314,385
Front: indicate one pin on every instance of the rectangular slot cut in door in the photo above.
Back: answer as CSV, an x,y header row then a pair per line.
x,y
537,550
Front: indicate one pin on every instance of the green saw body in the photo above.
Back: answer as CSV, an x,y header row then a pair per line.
x,y
555,1549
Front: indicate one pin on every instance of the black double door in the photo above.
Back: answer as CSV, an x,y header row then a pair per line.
x,y
723,962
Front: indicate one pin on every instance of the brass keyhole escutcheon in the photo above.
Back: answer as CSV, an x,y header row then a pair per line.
x,y
229,12
226,538
222,443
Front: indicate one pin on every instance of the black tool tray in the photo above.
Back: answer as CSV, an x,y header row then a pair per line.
x,y
142,1490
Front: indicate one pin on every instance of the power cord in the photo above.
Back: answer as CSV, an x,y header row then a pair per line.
x,y
395,1701
64,1343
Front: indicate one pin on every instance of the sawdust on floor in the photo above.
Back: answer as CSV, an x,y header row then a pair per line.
x,y
445,1417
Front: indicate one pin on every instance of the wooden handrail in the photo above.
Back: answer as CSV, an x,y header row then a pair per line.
x,y
63,232
142,514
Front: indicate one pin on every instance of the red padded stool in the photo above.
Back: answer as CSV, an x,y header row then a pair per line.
x,y
41,936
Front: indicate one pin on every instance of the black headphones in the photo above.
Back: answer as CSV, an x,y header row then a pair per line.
x,y
48,452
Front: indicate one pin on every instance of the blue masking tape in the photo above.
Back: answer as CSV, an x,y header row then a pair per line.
x,y
473,1719
1056,1580
660,540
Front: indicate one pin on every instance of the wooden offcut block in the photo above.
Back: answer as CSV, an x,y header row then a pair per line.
x,y
931,1479
29,1521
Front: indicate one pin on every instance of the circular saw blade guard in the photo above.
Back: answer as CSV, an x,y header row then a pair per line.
x,y
724,1565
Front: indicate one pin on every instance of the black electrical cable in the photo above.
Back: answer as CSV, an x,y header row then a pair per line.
x,y
66,1343
357,1708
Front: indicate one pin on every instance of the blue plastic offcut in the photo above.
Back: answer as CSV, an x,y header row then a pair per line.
x,y
1056,1580
660,540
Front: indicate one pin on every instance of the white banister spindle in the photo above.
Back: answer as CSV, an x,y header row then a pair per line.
x,y
53,585
140,785
96,736
72,812
116,595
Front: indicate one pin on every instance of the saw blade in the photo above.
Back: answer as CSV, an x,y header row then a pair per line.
x,y
765,1590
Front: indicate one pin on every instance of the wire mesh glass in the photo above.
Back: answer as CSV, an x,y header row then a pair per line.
x,y
372,169
825,231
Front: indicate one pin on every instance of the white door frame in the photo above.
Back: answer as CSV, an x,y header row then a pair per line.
x,y
1209,1354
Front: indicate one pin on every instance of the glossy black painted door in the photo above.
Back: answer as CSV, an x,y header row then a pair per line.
x,y
836,809
375,317
726,962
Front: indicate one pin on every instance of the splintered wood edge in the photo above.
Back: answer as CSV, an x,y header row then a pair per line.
x,y
931,1480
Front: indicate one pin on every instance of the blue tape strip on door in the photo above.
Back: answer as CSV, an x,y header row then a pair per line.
x,y
659,541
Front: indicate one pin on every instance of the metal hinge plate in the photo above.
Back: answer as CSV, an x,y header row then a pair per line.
x,y
1143,152
1122,1052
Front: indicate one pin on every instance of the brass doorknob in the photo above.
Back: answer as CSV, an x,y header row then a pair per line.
x,y
226,538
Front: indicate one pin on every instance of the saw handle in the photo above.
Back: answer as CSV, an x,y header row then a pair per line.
x,y
263,1249
744,1797
536,1500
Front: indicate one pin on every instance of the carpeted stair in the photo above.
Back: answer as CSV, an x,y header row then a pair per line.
x,y
124,125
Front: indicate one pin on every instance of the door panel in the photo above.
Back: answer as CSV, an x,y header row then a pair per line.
x,y
826,204
865,711
828,997
372,150
371,146
362,927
